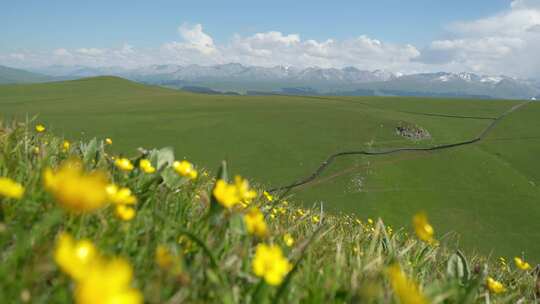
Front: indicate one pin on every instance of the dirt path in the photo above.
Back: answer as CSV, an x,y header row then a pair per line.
x,y
325,164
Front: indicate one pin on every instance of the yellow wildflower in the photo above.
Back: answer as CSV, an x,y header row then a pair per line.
x,y
123,164
495,286
186,244
288,239
268,196
75,257
405,289
11,189
423,229
245,194
146,166
300,212
125,212
163,257
120,196
255,224
75,189
315,219
108,141
370,221
270,264
226,194
185,169
97,280
108,282
35,150
521,264
65,145
40,128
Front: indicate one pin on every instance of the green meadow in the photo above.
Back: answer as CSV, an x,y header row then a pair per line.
x,y
487,192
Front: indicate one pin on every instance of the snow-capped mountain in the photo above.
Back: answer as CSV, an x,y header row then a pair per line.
x,y
242,78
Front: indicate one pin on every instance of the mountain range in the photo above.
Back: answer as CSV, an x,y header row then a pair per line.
x,y
12,76
238,78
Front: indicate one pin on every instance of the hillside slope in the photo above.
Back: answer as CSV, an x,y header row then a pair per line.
x,y
11,76
480,191
78,225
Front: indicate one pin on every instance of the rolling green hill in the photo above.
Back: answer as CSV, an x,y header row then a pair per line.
x,y
485,191
12,76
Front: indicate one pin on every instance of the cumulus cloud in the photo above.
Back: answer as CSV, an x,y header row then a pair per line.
x,y
263,49
525,4
275,48
93,52
506,43
62,52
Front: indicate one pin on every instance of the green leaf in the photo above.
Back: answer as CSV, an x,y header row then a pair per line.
x,y
458,267
172,179
163,157
223,172
215,207
89,151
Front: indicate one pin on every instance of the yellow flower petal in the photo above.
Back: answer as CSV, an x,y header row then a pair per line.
x,y
123,164
40,128
255,224
405,289
125,213
11,189
74,189
270,264
146,166
226,194
495,286
423,228
521,264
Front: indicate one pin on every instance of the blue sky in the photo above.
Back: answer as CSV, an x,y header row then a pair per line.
x,y
63,23
397,35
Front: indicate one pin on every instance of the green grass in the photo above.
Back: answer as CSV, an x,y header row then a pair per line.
x,y
486,192
336,259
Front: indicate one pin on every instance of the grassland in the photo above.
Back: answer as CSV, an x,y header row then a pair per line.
x,y
486,192
184,246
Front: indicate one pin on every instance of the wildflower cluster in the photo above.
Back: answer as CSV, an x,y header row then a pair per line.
x,y
185,169
159,227
229,195
97,279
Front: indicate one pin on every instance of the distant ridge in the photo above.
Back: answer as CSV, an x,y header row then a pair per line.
x,y
235,77
13,76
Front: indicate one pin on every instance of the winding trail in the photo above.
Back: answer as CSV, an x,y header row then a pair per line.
x,y
325,164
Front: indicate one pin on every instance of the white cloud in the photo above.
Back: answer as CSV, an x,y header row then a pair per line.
x,y
275,48
17,56
265,49
93,52
62,52
506,43
195,38
525,4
